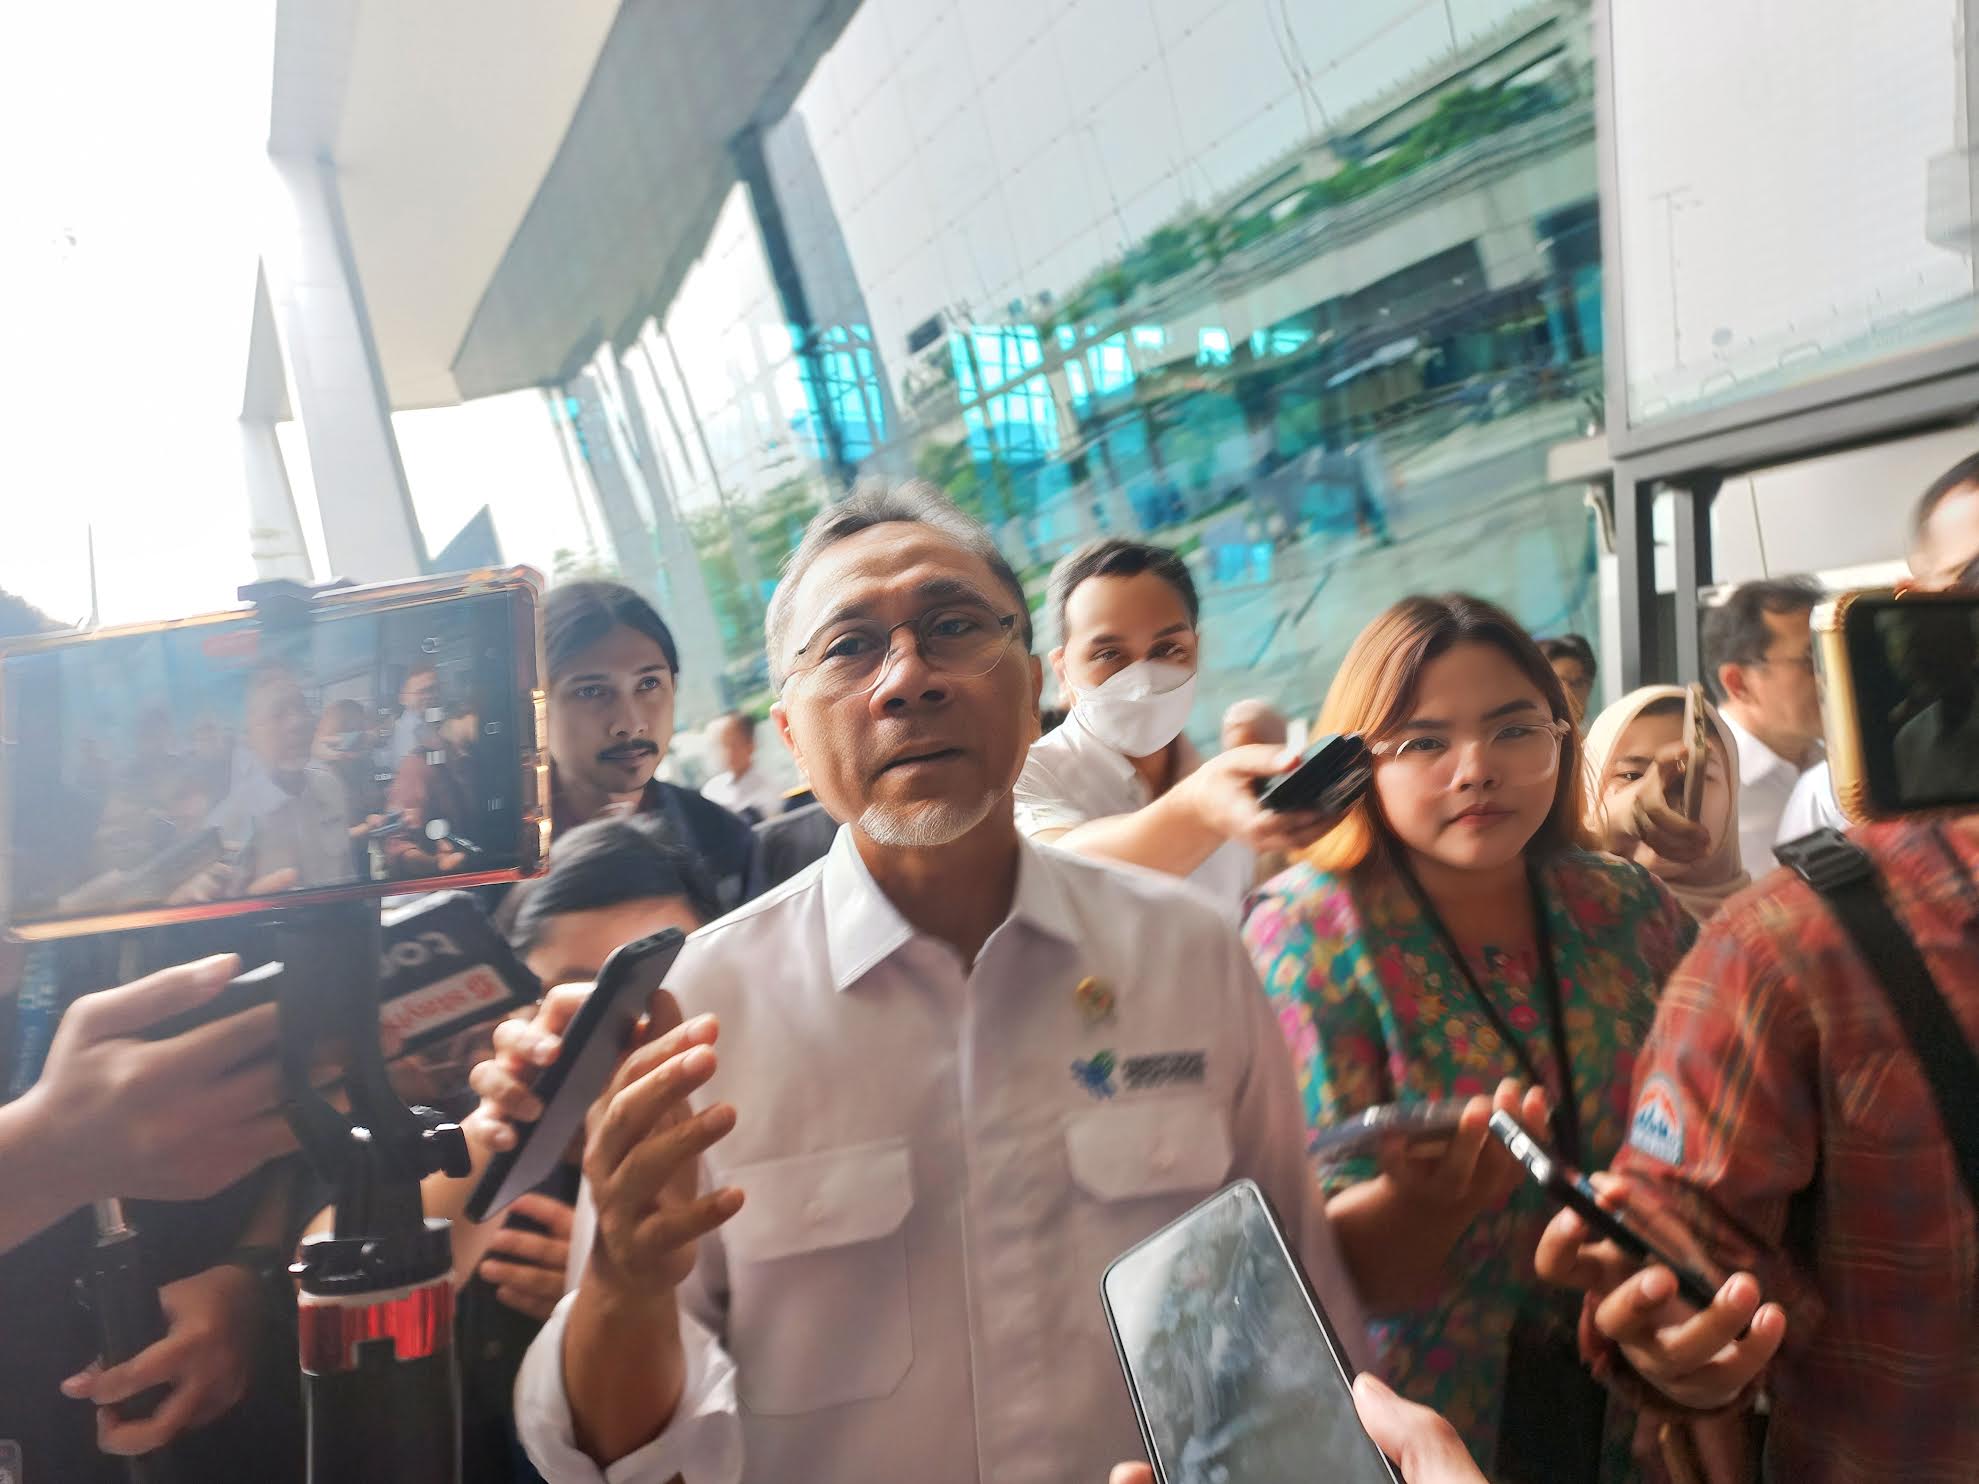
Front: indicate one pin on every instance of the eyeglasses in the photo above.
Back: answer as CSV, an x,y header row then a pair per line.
x,y
1789,661
1516,753
961,639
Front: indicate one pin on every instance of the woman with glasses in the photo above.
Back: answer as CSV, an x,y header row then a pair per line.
x,y
1450,937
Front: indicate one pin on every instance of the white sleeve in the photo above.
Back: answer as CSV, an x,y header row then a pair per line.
x,y
1043,802
702,1443
1268,1138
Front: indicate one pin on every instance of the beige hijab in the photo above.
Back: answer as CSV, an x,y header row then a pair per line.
x,y
1720,875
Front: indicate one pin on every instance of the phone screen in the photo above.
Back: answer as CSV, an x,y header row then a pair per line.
x,y
1915,695
190,769
1234,1371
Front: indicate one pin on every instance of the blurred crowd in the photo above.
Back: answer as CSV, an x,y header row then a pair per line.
x,y
1001,989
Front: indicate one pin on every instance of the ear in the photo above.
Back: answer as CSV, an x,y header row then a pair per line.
x,y
1731,679
1058,669
1037,684
782,720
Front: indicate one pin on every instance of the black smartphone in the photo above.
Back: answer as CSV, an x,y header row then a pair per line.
x,y
592,1044
1363,1132
1569,1188
1234,1371
1329,777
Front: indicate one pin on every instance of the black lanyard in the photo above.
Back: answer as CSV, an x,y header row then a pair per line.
x,y
1566,1110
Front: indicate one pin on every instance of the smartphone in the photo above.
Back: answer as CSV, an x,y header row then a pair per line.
x,y
1362,1132
1900,696
569,1086
1234,1371
1330,776
210,723
1697,750
1569,1188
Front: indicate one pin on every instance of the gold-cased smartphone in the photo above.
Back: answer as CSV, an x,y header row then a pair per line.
x,y
1900,698
381,739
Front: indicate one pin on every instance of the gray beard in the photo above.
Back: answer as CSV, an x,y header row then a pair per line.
x,y
923,826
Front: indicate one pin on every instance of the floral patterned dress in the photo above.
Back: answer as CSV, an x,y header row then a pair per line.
x,y
1375,1012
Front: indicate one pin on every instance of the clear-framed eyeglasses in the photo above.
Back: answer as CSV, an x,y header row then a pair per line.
x,y
1515,752
849,657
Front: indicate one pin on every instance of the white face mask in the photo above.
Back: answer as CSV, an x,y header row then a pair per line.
x,y
1140,709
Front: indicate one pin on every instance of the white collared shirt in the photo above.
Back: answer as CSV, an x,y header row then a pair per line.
x,y
1766,782
1072,777
308,832
938,1166
1813,806
747,790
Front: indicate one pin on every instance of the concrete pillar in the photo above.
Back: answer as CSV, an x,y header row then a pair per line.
x,y
368,523
274,532
688,608
621,493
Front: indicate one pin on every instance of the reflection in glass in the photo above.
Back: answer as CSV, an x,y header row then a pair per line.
x,y
1307,296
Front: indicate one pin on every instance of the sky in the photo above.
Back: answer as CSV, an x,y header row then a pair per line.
x,y
133,176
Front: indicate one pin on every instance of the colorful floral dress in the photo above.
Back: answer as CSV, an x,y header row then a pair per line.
x,y
1376,1012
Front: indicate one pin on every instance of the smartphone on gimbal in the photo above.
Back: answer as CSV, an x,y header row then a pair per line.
x,y
381,739
1900,695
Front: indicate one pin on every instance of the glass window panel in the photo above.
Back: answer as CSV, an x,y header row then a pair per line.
x,y
1836,235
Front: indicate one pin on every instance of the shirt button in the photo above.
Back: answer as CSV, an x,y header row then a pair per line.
x,y
815,1212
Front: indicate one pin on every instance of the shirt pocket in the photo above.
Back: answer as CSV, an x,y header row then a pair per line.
x,y
1139,1151
817,1268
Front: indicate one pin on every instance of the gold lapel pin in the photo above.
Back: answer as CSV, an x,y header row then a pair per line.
x,y
1095,1000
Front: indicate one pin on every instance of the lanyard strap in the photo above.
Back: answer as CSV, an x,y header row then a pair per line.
x,y
1566,1110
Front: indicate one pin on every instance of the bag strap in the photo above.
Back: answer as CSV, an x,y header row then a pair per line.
x,y
1845,877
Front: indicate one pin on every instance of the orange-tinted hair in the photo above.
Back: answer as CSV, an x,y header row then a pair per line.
x,y
1375,691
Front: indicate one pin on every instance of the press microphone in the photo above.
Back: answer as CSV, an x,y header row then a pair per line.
x,y
443,967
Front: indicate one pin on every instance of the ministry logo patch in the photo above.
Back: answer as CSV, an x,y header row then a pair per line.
x,y
1657,1129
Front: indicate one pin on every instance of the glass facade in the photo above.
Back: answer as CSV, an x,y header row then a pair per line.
x,y
1837,234
1304,291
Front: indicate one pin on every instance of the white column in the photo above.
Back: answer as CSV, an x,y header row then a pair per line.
x,y
274,532
368,523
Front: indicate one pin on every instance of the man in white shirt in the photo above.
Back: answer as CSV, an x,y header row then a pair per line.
x,y
1118,780
958,1075
740,788
285,813
1759,653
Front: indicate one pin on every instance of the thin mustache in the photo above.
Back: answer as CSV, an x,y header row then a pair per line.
x,y
620,749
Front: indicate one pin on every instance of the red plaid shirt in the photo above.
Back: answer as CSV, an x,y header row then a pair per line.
x,y
1777,1070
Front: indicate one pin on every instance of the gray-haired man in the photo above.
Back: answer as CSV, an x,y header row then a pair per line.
x,y
958,1074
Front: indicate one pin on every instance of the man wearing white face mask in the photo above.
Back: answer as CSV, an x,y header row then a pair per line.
x,y
1119,780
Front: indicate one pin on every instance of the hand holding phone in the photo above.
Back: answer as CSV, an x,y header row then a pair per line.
x,y
1332,773
1568,1187
1232,1366
1698,1358
580,1064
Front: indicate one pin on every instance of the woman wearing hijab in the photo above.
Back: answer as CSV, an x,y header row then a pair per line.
x,y
1635,798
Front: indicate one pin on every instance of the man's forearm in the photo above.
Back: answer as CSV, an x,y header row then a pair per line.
x,y
41,1186
1167,835
624,1369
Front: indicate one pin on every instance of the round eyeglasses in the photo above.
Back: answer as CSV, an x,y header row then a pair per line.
x,y
1516,752
849,657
